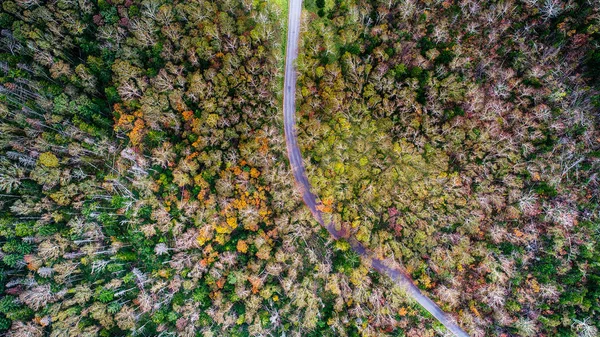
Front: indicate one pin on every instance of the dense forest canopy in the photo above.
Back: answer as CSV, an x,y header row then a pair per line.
x,y
461,138
145,189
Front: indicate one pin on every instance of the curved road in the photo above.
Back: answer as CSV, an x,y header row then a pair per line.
x,y
400,277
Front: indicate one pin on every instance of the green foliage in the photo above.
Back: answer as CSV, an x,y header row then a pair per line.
x,y
345,261
5,323
8,304
24,229
545,268
592,64
201,295
11,260
544,190
5,20
47,230
105,295
445,57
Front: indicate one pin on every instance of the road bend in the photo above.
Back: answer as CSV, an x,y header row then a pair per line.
x,y
398,275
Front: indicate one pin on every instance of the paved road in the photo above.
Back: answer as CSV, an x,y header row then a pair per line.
x,y
289,108
399,276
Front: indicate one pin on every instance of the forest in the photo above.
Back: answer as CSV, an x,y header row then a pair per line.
x,y
145,187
